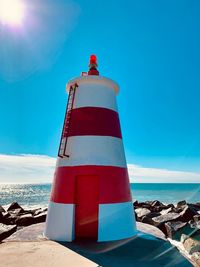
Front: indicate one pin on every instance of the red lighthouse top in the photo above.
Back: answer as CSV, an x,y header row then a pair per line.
x,y
93,66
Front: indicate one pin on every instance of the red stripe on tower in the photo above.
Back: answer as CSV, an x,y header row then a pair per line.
x,y
94,121
112,184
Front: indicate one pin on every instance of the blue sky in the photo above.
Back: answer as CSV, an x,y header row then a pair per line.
x,y
151,48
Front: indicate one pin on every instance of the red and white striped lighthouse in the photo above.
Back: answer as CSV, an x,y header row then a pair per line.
x,y
90,195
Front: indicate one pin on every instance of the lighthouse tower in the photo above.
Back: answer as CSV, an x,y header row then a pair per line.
x,y
90,195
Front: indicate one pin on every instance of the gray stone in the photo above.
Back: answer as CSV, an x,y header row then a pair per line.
x,y
196,259
25,220
148,218
40,218
196,218
157,203
16,212
188,213
192,244
6,230
142,212
181,204
2,209
14,206
166,211
166,218
162,219
176,229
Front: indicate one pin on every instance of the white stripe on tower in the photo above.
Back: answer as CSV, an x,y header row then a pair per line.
x,y
94,150
116,221
60,222
99,96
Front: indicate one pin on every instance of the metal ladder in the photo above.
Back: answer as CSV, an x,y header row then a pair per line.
x,y
65,131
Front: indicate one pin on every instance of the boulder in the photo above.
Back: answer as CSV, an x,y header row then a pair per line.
x,y
9,219
196,259
157,203
146,204
188,212
140,212
1,209
166,218
192,245
16,212
166,211
162,219
39,211
6,230
148,218
11,216
25,220
196,218
40,217
195,224
181,204
14,206
5,215
175,230
1,216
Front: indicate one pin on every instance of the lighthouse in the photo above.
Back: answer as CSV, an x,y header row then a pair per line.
x,y
90,197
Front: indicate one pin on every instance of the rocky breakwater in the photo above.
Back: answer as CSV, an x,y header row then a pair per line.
x,y
15,217
180,223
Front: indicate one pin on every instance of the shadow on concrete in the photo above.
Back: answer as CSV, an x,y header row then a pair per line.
x,y
143,250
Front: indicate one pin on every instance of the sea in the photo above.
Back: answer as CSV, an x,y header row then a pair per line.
x,y
37,195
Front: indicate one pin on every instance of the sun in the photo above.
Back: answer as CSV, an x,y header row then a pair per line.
x,y
12,12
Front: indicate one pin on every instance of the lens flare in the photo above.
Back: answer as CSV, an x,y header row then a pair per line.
x,y
12,12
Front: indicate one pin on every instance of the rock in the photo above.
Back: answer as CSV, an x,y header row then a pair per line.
x,y
1,216
157,203
6,230
162,219
16,212
146,204
181,204
170,206
188,213
195,224
135,203
1,209
192,245
140,212
38,211
14,206
9,219
196,259
11,216
5,215
165,211
148,218
176,229
166,218
40,217
25,220
196,218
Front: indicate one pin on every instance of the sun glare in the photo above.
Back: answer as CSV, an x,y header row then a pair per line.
x,y
11,12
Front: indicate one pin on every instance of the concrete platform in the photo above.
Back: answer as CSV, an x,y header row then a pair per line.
x,y
40,254
28,247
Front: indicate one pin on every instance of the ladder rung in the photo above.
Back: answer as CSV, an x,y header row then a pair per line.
x,y
63,144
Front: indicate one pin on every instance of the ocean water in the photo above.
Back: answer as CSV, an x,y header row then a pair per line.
x,y
34,195
166,193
